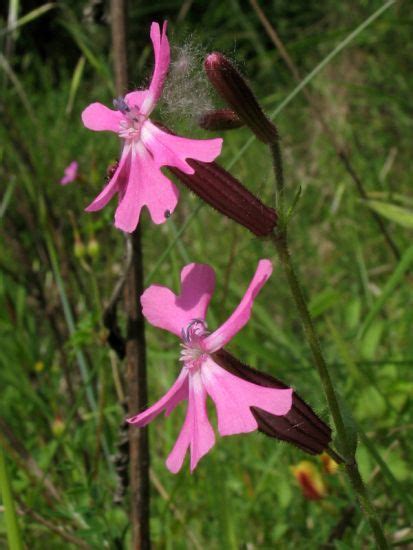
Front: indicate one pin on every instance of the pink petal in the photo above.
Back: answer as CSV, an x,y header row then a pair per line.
x,y
197,432
162,60
177,393
117,182
234,396
70,173
98,117
163,309
170,150
242,313
146,186
136,98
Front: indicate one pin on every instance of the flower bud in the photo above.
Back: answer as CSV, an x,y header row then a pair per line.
x,y
58,426
226,194
300,426
309,478
219,120
93,247
236,92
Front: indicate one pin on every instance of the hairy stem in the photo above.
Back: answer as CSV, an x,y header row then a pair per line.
x,y
135,337
279,238
351,466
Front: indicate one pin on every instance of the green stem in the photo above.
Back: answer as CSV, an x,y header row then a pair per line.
x,y
279,177
280,243
351,468
12,525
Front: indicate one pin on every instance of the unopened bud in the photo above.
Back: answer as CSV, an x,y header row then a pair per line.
x,y
235,91
79,248
300,426
226,194
93,248
219,120
58,426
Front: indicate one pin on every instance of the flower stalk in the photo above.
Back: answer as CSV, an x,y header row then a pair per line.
x,y
279,238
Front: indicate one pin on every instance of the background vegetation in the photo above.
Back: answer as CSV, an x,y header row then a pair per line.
x,y
61,407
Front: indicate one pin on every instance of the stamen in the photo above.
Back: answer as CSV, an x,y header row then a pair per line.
x,y
192,352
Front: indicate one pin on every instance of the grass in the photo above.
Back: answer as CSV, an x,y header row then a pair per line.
x,y
58,377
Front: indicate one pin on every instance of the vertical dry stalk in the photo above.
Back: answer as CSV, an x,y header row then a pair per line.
x,y
135,337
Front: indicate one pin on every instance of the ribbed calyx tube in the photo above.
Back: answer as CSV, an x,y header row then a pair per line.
x,y
300,426
235,91
226,194
219,120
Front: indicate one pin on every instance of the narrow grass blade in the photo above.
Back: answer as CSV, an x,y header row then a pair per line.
x,y
70,323
7,197
12,525
74,85
84,371
393,483
392,212
5,65
388,290
28,18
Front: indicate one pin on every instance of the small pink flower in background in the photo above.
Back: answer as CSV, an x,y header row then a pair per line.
x,y
184,315
70,173
138,178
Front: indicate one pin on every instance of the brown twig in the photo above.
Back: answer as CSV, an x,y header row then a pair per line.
x,y
59,530
341,153
340,528
25,460
135,337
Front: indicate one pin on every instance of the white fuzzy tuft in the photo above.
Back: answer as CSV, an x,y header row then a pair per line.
x,y
186,93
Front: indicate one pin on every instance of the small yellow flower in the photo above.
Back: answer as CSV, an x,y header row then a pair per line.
x,y
309,478
39,366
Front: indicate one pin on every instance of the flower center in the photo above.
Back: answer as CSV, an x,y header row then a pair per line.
x,y
193,352
131,125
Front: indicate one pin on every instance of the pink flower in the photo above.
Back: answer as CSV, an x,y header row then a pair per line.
x,y
184,315
70,173
146,148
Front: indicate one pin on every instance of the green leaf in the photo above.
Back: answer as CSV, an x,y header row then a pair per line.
x,y
371,339
371,404
323,301
397,214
